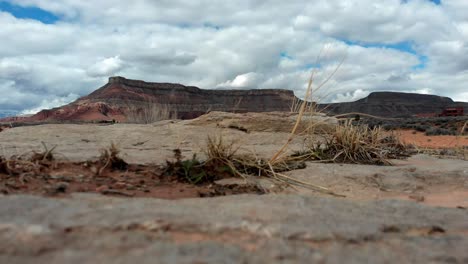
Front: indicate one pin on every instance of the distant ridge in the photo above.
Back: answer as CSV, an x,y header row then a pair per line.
x,y
120,96
394,104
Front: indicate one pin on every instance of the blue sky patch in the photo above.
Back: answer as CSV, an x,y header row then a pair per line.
x,y
285,55
422,62
310,66
437,2
405,46
28,13
401,46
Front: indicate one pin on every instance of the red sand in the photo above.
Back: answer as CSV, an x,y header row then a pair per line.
x,y
421,140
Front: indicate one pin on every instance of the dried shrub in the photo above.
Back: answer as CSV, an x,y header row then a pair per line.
x,y
46,155
223,161
219,163
149,112
421,128
356,144
3,167
434,131
34,162
110,159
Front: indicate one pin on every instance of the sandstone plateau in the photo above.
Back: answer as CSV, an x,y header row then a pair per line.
x,y
127,100
122,97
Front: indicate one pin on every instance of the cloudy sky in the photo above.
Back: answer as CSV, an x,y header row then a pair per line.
x,y
53,51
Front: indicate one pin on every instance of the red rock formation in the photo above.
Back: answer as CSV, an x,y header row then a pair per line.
x,y
120,96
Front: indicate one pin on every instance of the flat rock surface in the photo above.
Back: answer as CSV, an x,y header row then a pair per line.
x,y
141,144
413,212
236,229
421,178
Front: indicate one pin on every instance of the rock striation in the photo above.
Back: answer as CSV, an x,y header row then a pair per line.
x,y
394,104
121,97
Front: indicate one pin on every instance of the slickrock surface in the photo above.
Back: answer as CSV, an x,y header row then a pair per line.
x,y
236,229
413,212
154,143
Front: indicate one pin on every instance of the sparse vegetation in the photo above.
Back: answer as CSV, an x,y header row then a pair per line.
x,y
435,131
149,112
223,161
355,144
191,170
237,127
32,162
430,126
45,155
218,164
110,159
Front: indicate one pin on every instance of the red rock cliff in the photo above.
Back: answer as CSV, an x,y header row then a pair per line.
x,y
119,96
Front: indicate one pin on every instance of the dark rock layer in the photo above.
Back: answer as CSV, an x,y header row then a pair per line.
x,y
120,96
394,104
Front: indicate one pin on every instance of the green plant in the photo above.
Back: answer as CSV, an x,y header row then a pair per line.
x,y
192,170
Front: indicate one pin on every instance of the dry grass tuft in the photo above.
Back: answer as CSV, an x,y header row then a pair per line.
x,y
462,151
44,156
356,144
149,112
217,150
110,159
219,163
223,161
33,162
304,107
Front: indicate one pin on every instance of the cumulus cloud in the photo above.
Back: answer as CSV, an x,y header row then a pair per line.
x,y
50,103
350,96
246,80
412,45
105,67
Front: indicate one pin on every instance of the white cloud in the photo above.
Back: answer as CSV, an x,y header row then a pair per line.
x,y
245,43
105,67
246,80
350,96
50,103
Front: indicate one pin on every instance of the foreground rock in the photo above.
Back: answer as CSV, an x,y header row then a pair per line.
x,y
372,224
421,178
240,229
261,133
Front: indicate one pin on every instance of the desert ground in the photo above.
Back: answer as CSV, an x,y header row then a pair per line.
x,y
74,208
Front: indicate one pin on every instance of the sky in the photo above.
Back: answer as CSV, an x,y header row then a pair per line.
x,y
54,51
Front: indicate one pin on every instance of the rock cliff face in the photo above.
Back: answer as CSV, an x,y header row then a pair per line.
x,y
121,97
127,100
393,104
